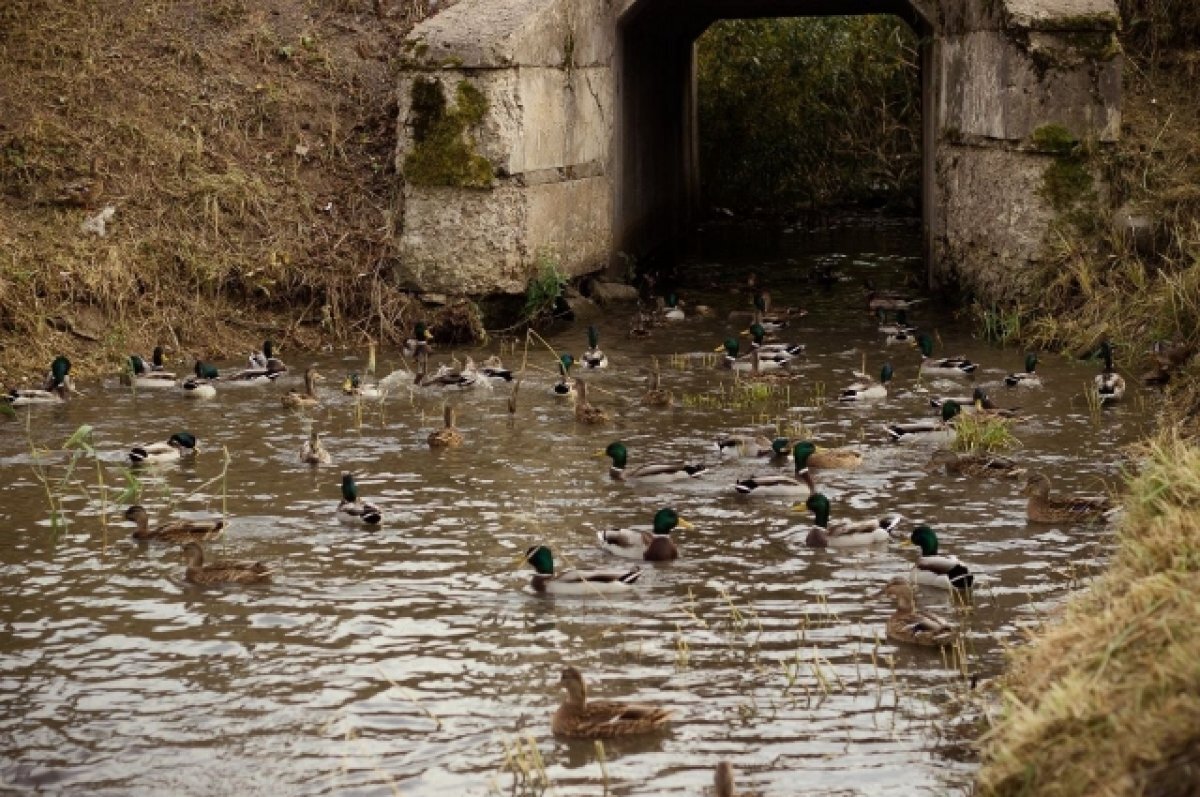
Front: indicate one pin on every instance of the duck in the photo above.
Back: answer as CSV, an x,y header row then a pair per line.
x,y
419,342
222,571
937,570
354,385
867,390
56,388
752,362
565,386
266,360
758,335
142,376
493,369
296,399
174,530
464,377
649,546
778,484
656,395
593,358
927,431
200,385
899,329
824,533
942,366
351,510
584,412
831,458
887,300
313,452
978,465
741,446
671,310
1110,386
762,313
1041,507
912,625
1028,378
579,718
650,473
575,582
175,448
448,436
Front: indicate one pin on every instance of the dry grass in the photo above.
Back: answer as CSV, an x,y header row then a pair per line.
x,y
246,148
1107,701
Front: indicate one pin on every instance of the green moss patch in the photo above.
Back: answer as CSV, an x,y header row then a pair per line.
x,y
444,153
1067,181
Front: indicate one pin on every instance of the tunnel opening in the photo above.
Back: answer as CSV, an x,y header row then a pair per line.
x,y
683,146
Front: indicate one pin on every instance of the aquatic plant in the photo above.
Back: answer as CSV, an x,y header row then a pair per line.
x,y
980,432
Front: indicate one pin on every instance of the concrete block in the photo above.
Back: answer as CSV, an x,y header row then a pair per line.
x,y
571,220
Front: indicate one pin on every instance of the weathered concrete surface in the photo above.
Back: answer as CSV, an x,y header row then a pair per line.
x,y
591,129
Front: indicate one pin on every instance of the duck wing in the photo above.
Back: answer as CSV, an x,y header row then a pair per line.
x,y
629,543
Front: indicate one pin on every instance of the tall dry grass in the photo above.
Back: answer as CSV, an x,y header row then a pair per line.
x,y
246,149
1107,702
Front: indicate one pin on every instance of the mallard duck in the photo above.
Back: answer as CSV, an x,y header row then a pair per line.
x,y
352,510
934,570
927,431
763,316
174,530
593,358
354,385
448,436
671,310
1030,378
741,446
419,342
758,337
866,390
565,386
910,624
1045,508
56,388
777,484
266,360
147,375
1110,386
887,300
200,385
655,546
899,329
176,447
640,326
601,719
833,458
308,397
655,395
723,780
585,412
978,464
575,582
942,366
493,369
652,473
752,362
313,451
222,571
824,533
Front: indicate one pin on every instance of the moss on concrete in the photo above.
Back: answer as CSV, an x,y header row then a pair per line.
x,y
1067,181
444,153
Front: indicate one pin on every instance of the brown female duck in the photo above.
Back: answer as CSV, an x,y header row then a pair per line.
x,y
601,719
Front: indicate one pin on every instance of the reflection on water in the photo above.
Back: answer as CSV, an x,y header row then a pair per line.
x,y
410,657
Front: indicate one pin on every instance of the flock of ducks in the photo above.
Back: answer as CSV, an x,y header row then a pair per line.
x,y
764,359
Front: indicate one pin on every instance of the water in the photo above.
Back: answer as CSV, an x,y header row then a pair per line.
x,y
408,658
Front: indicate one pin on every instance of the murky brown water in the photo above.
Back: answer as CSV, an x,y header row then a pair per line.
x,y
406,659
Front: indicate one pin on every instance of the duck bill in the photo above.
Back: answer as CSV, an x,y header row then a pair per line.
x,y
683,524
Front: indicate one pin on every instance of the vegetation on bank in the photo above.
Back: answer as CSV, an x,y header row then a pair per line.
x,y
810,112
1104,700
245,150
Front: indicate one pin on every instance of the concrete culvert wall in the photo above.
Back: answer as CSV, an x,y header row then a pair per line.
x,y
589,126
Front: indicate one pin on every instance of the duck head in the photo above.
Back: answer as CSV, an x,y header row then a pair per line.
x,y
666,520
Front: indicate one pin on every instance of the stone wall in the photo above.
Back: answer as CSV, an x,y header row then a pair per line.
x,y
587,127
